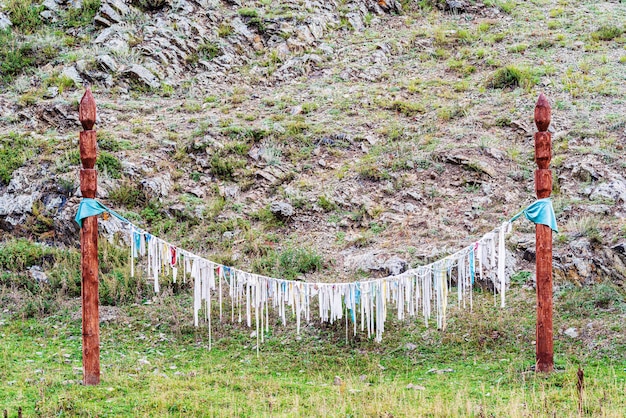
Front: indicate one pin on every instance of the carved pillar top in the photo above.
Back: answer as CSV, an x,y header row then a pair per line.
x,y
87,111
543,113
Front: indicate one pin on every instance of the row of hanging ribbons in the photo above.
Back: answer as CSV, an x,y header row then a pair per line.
x,y
423,290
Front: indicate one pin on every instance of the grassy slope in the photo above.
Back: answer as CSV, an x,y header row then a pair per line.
x,y
152,364
412,110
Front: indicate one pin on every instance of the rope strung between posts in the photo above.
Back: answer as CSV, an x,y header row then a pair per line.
x,y
418,291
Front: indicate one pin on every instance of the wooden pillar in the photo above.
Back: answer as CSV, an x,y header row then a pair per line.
x,y
543,238
89,244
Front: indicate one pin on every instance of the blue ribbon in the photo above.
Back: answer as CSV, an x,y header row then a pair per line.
x,y
540,212
91,207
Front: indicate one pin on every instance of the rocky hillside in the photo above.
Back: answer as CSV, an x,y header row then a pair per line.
x,y
354,137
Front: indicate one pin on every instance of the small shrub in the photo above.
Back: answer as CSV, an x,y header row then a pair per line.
x,y
83,16
247,12
606,33
224,30
407,108
107,142
369,169
24,14
521,277
128,195
512,76
151,5
14,150
224,167
309,107
209,50
288,264
17,255
15,56
109,164
326,204
518,48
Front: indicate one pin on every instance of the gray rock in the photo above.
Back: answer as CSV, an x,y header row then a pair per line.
x,y
455,6
581,260
177,210
105,35
571,332
410,346
37,273
117,45
142,75
107,15
50,5
355,21
51,92
72,73
107,63
395,265
304,34
5,22
614,190
241,28
119,6
585,172
17,204
157,187
281,209
48,15
620,248
326,49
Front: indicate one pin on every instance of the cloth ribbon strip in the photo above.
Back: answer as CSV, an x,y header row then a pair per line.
x,y
540,212
421,291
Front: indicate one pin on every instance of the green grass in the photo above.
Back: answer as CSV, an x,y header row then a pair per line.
x,y
24,14
513,76
290,263
155,363
14,151
607,33
83,16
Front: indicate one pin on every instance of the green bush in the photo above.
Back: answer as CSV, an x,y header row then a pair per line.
x,y
109,164
224,167
128,195
14,56
407,108
14,151
19,54
512,76
151,5
288,264
607,33
83,16
24,14
19,254
209,50
325,203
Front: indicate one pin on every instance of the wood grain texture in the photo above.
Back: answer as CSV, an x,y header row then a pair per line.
x,y
89,245
543,239
90,301
87,111
88,148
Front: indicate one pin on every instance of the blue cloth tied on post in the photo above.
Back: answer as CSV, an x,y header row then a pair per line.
x,y
91,207
540,212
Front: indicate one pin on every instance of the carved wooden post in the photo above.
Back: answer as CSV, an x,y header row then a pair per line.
x,y
543,238
89,244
